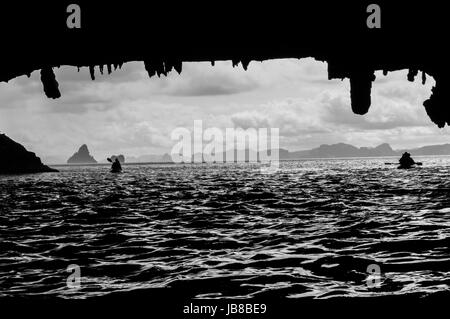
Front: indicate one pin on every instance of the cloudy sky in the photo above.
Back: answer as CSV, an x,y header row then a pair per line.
x,y
128,113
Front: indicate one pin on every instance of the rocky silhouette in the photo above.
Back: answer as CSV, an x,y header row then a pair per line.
x,y
15,159
82,156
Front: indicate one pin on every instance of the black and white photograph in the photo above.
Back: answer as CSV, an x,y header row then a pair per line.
x,y
224,160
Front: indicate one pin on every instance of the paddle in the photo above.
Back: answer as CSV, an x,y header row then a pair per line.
x,y
109,160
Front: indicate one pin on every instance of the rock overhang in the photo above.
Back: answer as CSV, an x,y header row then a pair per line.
x,y
411,37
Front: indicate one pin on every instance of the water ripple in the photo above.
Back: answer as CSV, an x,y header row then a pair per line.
x,y
308,231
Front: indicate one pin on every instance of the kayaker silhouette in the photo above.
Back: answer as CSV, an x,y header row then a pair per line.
x,y
115,167
406,161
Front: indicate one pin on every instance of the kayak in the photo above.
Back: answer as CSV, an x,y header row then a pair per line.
x,y
415,165
116,171
409,167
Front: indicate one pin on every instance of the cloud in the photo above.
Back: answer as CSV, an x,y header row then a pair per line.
x,y
80,104
205,80
337,111
250,119
291,116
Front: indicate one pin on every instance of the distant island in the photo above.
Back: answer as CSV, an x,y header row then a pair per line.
x,y
165,158
347,150
339,150
82,156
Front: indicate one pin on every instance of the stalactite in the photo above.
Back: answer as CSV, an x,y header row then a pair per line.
x,y
51,86
178,66
360,91
245,63
412,74
92,72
